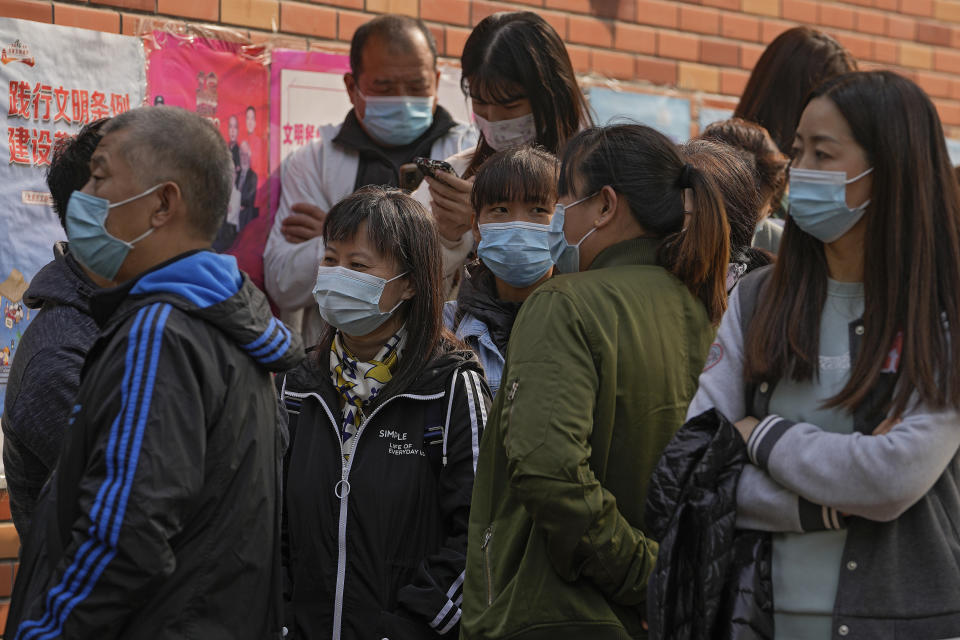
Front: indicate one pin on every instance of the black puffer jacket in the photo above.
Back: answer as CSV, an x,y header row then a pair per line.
x,y
711,579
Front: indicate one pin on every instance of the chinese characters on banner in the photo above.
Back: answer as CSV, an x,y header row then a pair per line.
x,y
46,105
53,80
228,83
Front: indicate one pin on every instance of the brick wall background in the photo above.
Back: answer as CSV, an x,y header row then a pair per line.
x,y
691,47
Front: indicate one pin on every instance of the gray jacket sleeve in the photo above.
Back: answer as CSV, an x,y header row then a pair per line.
x,y
874,477
762,502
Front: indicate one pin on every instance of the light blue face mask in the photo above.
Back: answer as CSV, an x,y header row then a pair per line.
x,y
516,252
350,300
90,242
565,255
818,202
397,120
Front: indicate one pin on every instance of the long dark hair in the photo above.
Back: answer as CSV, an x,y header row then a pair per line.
x,y
644,166
512,55
911,257
398,226
790,68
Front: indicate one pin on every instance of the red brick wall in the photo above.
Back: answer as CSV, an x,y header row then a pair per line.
x,y
704,47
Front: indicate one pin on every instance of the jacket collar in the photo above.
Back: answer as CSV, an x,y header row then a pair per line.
x,y
105,302
632,251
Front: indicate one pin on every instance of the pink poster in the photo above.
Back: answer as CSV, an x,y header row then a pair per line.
x,y
228,83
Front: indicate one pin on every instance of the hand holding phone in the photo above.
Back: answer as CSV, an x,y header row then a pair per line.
x,y
430,167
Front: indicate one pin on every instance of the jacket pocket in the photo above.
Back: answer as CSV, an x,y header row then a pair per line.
x,y
393,626
517,443
487,568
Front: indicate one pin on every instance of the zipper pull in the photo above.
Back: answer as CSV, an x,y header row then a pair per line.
x,y
486,538
342,488
513,390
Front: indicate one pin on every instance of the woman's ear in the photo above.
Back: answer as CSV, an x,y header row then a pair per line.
x,y
608,208
476,228
407,292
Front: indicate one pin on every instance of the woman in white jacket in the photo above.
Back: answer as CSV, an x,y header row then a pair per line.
x,y
518,75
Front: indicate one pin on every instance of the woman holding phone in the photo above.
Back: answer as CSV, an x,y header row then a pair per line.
x,y
506,53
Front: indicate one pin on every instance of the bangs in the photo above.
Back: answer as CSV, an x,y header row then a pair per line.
x,y
380,210
523,174
490,86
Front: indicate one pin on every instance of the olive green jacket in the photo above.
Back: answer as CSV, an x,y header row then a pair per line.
x,y
600,369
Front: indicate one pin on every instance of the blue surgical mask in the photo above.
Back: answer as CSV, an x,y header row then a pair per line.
x,y
565,255
397,120
350,300
90,242
818,202
516,252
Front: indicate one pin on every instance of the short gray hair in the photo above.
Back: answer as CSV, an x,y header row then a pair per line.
x,y
175,145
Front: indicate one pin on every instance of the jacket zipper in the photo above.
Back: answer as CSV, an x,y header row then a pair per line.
x,y
485,551
342,491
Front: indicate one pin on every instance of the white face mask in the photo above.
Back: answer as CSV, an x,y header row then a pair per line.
x,y
504,134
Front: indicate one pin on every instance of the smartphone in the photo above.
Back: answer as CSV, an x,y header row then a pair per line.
x,y
431,168
410,176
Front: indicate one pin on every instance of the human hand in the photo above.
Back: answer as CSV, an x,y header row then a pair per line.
x,y
306,222
746,427
451,205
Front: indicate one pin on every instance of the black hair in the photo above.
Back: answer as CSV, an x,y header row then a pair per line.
x,y
251,108
769,163
392,29
514,55
522,174
70,166
645,167
398,226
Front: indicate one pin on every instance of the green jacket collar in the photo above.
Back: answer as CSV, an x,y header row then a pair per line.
x,y
632,251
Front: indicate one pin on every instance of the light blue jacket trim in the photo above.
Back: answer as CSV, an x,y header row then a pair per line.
x,y
476,334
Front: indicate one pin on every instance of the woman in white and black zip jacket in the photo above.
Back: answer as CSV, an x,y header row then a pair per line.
x,y
386,417
840,367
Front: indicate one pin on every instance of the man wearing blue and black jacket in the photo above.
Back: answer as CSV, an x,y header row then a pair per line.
x,y
162,519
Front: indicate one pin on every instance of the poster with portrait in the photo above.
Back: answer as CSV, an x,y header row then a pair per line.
x,y
228,83
55,80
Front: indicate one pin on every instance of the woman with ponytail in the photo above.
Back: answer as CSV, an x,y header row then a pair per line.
x,y
600,367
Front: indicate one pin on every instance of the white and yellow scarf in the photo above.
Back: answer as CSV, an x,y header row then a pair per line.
x,y
359,383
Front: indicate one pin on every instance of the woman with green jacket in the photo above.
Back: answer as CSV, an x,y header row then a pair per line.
x,y
601,366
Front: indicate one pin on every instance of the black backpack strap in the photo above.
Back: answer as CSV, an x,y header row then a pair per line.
x,y
749,290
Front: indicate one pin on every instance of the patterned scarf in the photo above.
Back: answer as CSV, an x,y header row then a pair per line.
x,y
359,383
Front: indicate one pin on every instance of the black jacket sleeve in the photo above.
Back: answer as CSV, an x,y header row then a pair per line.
x,y
33,425
144,418
437,588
